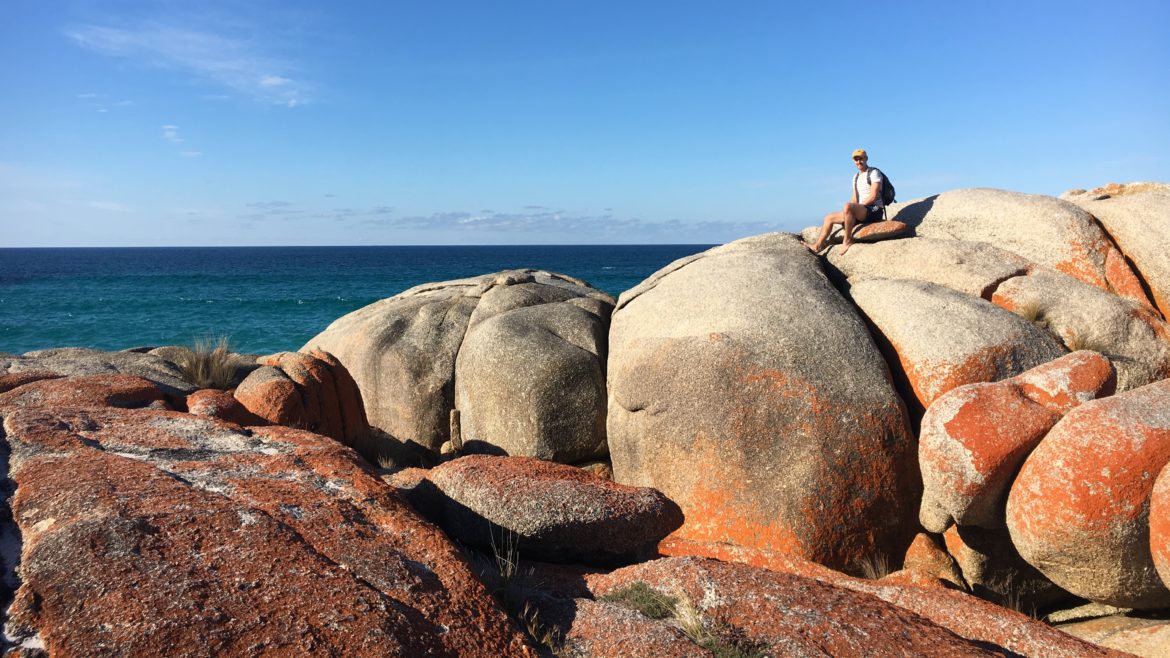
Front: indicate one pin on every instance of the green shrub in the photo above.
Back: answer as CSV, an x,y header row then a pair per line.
x,y
206,365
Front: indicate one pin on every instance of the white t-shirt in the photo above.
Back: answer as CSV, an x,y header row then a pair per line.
x,y
862,186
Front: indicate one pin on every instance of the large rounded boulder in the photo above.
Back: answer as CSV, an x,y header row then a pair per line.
x,y
1043,229
1079,509
747,389
404,353
1135,216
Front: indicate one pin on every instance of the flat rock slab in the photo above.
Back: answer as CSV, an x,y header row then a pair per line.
x,y
872,232
1045,230
974,268
552,512
124,391
1079,509
159,533
75,361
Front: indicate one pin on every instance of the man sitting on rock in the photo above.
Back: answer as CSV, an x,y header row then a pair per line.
x,y
864,207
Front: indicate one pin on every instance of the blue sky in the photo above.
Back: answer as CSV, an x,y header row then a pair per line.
x,y
558,122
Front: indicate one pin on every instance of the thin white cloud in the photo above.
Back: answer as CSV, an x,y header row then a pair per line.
x,y
237,64
171,134
191,154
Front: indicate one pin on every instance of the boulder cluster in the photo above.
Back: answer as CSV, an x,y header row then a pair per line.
x,y
757,451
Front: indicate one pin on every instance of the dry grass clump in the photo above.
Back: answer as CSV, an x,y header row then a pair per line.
x,y
645,599
874,567
208,364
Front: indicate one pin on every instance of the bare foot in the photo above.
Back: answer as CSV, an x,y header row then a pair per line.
x,y
845,247
813,248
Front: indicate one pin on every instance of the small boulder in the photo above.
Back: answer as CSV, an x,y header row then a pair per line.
x,y
994,570
974,437
214,403
872,232
556,512
307,391
1079,509
927,556
1160,525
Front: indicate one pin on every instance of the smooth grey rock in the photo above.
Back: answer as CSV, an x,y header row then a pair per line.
x,y
942,339
748,390
531,381
402,351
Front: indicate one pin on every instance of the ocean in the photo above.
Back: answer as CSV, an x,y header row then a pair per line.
x,y
263,299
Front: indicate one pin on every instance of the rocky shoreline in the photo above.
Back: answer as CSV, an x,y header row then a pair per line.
x,y
950,441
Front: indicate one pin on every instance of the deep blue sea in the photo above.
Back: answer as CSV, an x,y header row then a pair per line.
x,y
264,299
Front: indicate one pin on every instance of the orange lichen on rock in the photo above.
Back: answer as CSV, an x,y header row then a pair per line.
x,y
125,391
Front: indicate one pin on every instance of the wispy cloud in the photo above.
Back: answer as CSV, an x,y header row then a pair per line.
x,y
171,134
191,154
238,64
102,102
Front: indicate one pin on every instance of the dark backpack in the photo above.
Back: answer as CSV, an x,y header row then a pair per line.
x,y
887,186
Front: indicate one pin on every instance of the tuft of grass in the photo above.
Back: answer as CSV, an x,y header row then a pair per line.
x,y
208,364
645,599
1032,311
547,637
1013,599
874,567
726,643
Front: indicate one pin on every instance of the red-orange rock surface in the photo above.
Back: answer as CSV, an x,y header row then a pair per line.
x,y
12,380
788,615
1160,525
556,512
926,556
963,614
1078,510
606,630
975,437
125,391
309,391
215,403
160,533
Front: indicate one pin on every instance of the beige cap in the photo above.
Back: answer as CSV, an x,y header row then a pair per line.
x,y
860,153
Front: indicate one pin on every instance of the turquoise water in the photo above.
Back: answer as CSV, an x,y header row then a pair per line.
x,y
265,299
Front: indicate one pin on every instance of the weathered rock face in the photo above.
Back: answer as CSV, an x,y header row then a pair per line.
x,y
1043,229
994,570
159,533
530,380
783,614
402,353
1146,637
967,616
975,437
73,361
555,512
1079,509
943,339
974,268
1135,216
1084,317
745,388
926,556
606,630
124,391
1160,525
308,391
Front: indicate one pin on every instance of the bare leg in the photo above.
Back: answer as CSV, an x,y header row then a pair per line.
x,y
827,224
853,213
